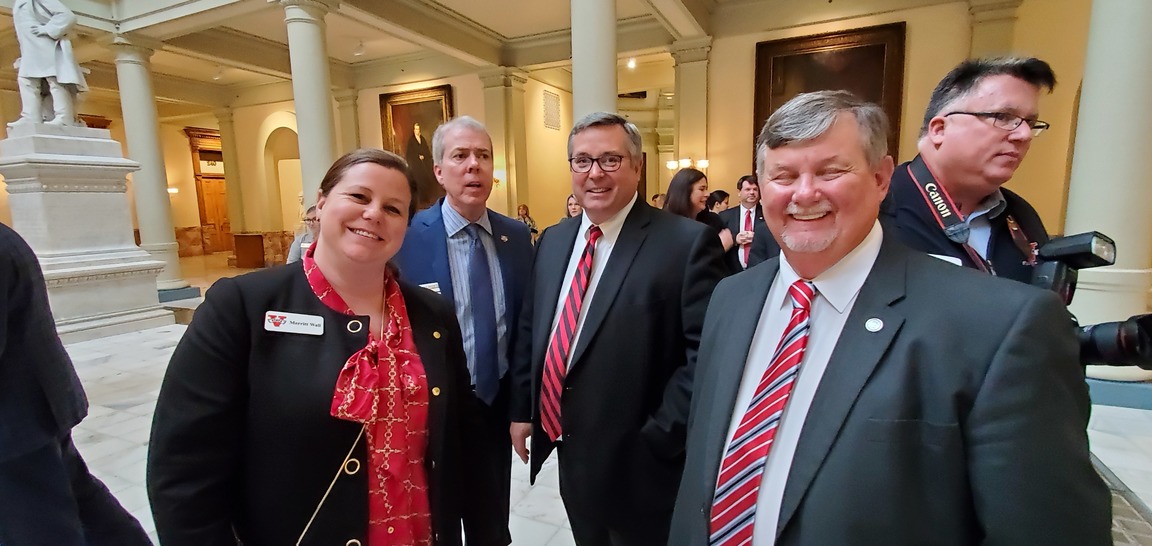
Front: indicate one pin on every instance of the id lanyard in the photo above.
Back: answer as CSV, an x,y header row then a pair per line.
x,y
949,218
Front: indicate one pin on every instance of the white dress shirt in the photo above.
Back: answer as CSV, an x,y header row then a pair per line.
x,y
746,215
836,291
611,229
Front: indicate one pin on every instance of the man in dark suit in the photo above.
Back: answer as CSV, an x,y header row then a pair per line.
x,y
754,243
854,391
609,330
439,252
47,495
421,165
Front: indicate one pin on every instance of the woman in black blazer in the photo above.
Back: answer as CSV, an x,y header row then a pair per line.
x,y
320,402
688,197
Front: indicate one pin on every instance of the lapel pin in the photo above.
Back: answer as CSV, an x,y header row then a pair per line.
x,y
503,238
873,325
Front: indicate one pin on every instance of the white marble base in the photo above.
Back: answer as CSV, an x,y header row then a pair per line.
x,y
66,189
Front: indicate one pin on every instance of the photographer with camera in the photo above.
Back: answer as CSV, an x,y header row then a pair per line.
x,y
948,201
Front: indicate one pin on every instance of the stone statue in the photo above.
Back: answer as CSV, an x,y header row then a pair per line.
x,y
47,66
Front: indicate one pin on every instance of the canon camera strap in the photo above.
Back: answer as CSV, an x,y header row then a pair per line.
x,y
951,220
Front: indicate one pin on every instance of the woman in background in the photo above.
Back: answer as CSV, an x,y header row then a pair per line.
x,y
321,402
524,218
305,239
574,208
688,197
717,201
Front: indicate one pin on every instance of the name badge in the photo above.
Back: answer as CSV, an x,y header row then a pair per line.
x,y
433,286
293,323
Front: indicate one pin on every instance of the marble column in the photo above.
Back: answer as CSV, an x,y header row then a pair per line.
x,y
346,101
504,114
993,25
142,130
691,58
232,183
593,57
1111,186
311,89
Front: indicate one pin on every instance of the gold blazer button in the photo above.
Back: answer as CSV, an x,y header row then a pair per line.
x,y
435,391
436,335
354,326
351,466
352,542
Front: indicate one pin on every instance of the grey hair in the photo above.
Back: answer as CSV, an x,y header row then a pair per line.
x,y
600,119
809,115
962,80
462,122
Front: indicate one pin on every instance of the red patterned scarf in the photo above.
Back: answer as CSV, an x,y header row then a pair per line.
x,y
384,387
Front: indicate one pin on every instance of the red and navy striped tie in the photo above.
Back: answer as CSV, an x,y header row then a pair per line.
x,y
556,360
734,506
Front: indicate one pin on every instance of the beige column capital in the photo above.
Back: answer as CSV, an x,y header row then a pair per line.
x,y
981,11
314,7
130,48
224,115
503,76
691,50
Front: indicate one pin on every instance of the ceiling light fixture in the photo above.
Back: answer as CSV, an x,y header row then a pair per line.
x,y
632,63
359,51
219,74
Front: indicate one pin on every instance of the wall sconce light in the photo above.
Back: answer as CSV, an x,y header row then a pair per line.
x,y
359,51
219,74
173,191
632,63
685,163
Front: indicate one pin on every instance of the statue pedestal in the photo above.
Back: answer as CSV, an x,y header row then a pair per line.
x,y
66,191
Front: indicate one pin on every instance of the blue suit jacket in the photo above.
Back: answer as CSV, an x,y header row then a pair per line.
x,y
423,258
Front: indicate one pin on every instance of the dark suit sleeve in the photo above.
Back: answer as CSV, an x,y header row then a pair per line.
x,y
764,246
667,427
520,364
1032,479
195,450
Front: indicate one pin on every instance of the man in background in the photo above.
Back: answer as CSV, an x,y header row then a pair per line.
x,y
949,200
480,260
754,243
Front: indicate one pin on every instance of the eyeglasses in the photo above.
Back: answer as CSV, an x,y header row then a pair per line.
x,y
608,163
311,220
1006,121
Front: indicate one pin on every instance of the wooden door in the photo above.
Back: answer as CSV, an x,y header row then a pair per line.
x,y
214,226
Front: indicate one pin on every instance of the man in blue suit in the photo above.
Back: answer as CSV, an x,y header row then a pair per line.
x,y
480,260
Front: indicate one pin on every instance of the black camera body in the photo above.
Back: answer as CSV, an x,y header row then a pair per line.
x,y
1124,343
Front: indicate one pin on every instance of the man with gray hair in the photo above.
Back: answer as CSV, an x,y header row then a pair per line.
x,y
853,391
602,371
480,261
948,201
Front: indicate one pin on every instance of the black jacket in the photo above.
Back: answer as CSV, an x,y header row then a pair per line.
x,y
243,441
906,214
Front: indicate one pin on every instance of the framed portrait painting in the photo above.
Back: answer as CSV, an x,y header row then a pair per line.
x,y
407,121
869,62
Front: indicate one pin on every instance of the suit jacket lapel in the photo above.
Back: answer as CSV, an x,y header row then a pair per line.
x,y
857,353
551,262
436,239
727,366
503,253
632,236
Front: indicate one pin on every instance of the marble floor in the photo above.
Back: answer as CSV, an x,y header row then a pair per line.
x,y
122,376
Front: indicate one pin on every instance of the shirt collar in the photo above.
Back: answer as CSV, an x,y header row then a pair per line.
x,y
841,282
993,206
454,223
610,227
